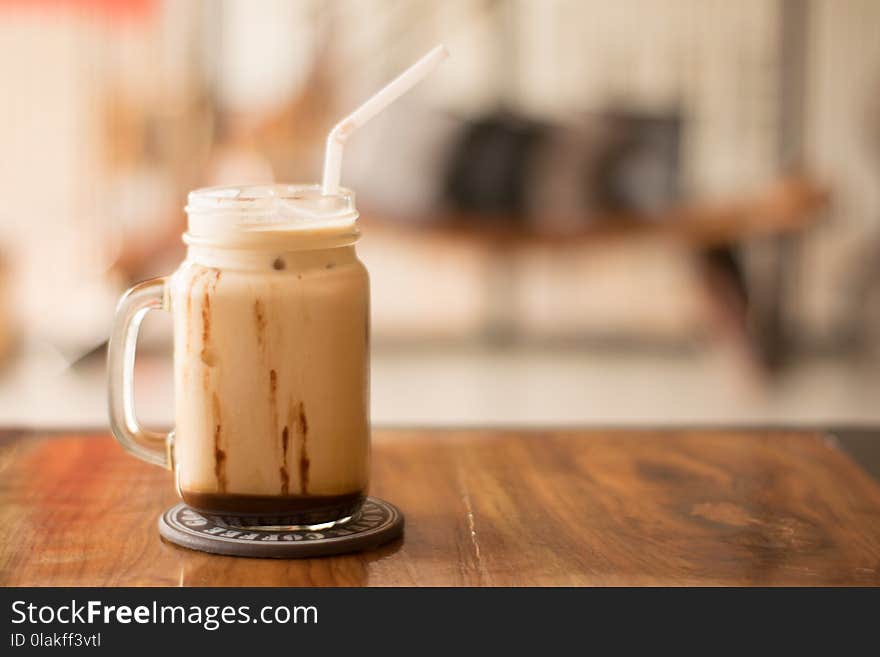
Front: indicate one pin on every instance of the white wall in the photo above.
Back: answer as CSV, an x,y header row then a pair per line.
x,y
842,140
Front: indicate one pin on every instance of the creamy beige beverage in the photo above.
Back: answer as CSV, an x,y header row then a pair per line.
x,y
271,329
271,332
271,360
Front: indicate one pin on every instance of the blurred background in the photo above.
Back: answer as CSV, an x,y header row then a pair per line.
x,y
654,212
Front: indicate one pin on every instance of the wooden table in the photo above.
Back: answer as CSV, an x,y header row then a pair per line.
x,y
755,318
787,205
598,507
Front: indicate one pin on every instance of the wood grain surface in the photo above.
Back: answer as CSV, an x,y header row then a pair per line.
x,y
482,508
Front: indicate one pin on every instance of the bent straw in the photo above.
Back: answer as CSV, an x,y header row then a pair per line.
x,y
378,102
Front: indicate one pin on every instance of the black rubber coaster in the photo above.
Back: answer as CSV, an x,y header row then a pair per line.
x,y
377,522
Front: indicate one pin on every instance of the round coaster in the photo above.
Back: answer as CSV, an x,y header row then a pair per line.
x,y
377,522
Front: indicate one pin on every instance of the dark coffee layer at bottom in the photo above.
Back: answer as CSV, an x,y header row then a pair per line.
x,y
275,509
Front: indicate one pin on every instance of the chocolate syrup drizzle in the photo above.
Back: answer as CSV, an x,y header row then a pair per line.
x,y
207,357
303,426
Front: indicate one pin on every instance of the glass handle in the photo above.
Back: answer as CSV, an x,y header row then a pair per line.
x,y
150,446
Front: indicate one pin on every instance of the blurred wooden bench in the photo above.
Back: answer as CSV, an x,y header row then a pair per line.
x,y
777,215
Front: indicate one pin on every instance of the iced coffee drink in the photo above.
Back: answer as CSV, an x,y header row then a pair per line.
x,y
271,329
271,333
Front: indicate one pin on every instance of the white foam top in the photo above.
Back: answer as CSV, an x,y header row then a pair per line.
x,y
244,212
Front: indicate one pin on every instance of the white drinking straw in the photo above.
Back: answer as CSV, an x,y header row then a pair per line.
x,y
382,99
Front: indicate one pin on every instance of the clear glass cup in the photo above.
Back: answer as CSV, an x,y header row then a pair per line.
x,y
271,358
